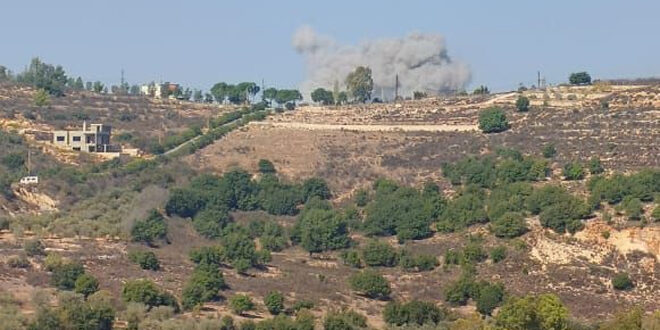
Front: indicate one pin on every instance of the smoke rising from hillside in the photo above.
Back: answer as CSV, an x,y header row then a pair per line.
x,y
420,60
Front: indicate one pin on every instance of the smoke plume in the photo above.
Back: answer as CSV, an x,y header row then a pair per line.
x,y
420,60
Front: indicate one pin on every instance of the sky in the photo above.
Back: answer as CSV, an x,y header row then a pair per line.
x,y
199,43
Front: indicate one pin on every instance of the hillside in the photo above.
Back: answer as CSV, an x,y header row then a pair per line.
x,y
415,181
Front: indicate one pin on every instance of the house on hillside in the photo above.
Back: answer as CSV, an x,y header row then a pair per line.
x,y
92,138
158,91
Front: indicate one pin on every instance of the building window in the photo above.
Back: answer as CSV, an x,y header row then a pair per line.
x,y
76,148
76,139
60,139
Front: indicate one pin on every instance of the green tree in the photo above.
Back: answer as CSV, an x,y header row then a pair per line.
x,y
41,98
377,253
360,84
522,104
481,90
86,285
44,76
211,221
493,120
202,286
344,320
274,302
370,284
315,187
146,259
322,96
342,98
285,96
579,78
509,225
64,275
319,230
147,292
149,230
241,303
413,312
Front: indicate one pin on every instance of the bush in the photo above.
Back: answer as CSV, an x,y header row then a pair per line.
x,y
274,302
14,161
377,253
622,281
498,253
149,230
273,238
420,262
351,258
473,252
493,120
655,215
344,320
210,222
489,296
464,210
318,230
509,225
146,259
240,303
370,284
146,292
632,207
522,104
86,285
413,312
549,150
34,248
315,187
184,202
202,286
64,275
579,78
595,166
302,304
573,171
266,166
453,257
20,261
458,292
361,198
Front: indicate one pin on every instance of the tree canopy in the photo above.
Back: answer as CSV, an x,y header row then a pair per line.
x,y
360,84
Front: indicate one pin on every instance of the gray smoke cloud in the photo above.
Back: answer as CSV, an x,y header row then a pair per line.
x,y
420,60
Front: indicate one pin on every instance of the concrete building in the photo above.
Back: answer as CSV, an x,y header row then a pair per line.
x,y
95,138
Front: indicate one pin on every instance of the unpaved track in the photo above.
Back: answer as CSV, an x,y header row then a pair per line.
x,y
371,128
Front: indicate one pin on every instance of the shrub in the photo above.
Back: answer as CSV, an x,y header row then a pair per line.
x,y
453,257
149,230
595,166
318,230
64,275
14,161
632,207
549,150
210,222
509,225
146,259
148,293
34,248
420,262
498,253
274,302
413,312
344,320
240,303
202,286
302,304
370,284
20,261
351,258
273,237
361,198
377,253
86,285
184,202
315,187
579,78
493,120
458,292
622,281
573,171
655,215
489,296
465,210
522,104
266,166
473,252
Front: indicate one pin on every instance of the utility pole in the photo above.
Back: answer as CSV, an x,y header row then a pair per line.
x,y
29,165
396,87
538,75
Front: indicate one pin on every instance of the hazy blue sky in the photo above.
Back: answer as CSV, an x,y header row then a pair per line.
x,y
198,43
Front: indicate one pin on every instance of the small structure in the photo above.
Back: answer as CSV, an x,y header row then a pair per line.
x,y
158,91
27,180
95,138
